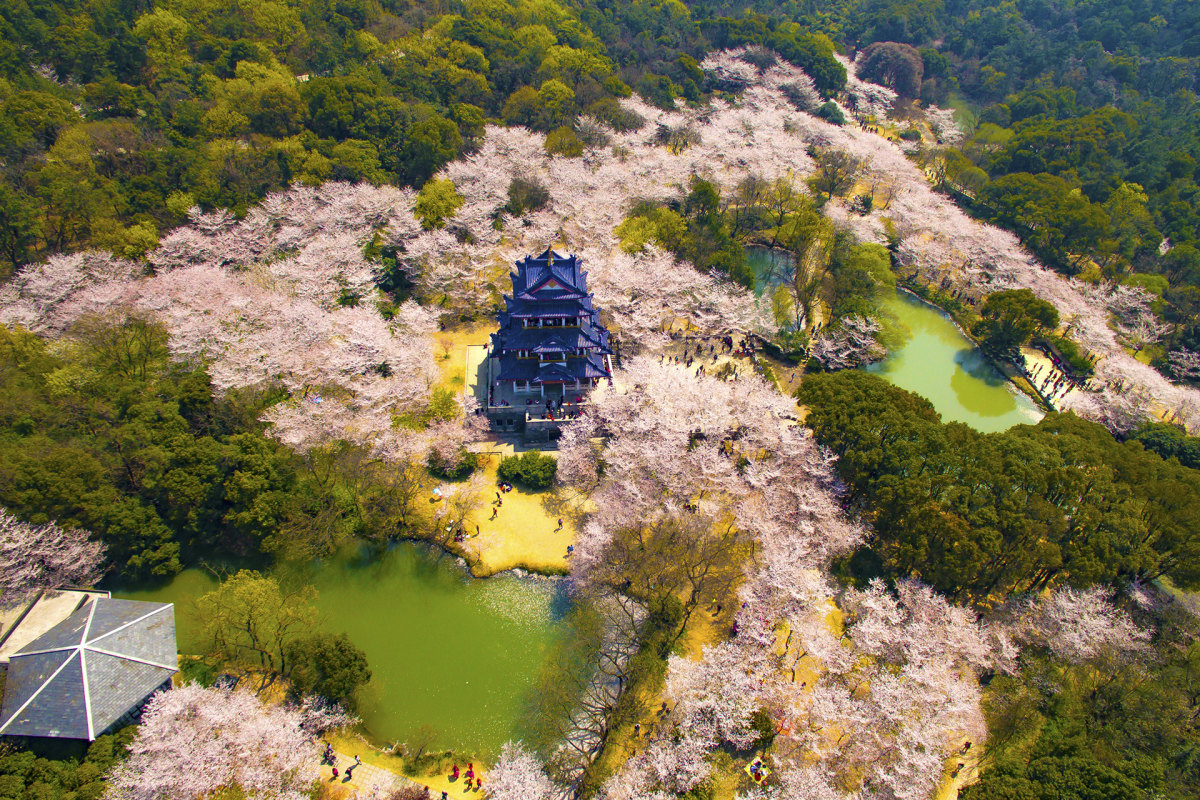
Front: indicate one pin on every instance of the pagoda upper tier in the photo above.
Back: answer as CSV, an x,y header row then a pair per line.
x,y
549,331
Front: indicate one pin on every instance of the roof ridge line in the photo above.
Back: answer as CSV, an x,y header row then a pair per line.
x,y
130,658
148,614
49,650
40,689
87,694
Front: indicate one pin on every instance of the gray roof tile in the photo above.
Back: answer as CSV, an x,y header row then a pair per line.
x,y
116,685
128,653
57,708
151,639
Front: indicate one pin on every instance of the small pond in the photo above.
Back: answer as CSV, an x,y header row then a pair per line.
x,y
940,364
453,657
771,267
936,362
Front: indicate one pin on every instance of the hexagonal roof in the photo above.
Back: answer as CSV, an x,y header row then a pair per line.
x,y
89,670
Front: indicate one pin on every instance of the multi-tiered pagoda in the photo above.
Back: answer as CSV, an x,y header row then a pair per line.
x,y
550,349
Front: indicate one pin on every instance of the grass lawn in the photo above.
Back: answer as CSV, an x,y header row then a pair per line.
x,y
450,348
524,532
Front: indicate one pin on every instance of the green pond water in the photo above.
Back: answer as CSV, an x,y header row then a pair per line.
x,y
940,364
451,656
770,267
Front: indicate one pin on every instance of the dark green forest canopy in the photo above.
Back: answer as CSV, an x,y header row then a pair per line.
x,y
103,431
981,516
109,436
117,117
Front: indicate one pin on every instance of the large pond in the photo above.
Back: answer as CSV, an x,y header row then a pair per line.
x,y
940,364
453,658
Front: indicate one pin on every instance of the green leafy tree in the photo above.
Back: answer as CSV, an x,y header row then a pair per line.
x,y
563,142
327,664
18,226
1011,317
893,64
252,622
531,469
525,196
436,202
1055,218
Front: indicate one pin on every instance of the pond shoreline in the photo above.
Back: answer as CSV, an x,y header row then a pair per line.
x,y
474,565
1008,370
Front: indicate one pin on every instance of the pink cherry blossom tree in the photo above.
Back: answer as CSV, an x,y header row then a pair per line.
x,y
1079,624
877,708
38,557
851,342
518,775
1185,364
194,741
675,443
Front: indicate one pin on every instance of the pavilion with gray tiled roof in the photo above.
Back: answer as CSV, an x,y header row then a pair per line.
x,y
93,669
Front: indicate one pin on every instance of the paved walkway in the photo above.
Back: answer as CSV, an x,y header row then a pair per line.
x,y
366,777
371,781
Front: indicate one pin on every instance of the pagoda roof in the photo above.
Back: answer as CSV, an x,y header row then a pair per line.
x,y
531,338
549,276
593,370
528,369
555,373
553,344
548,308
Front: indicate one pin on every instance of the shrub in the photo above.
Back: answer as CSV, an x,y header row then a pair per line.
x,y
563,142
1071,352
526,195
531,469
198,671
830,112
457,468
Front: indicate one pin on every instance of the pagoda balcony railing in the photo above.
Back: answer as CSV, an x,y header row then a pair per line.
x,y
537,407
551,418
